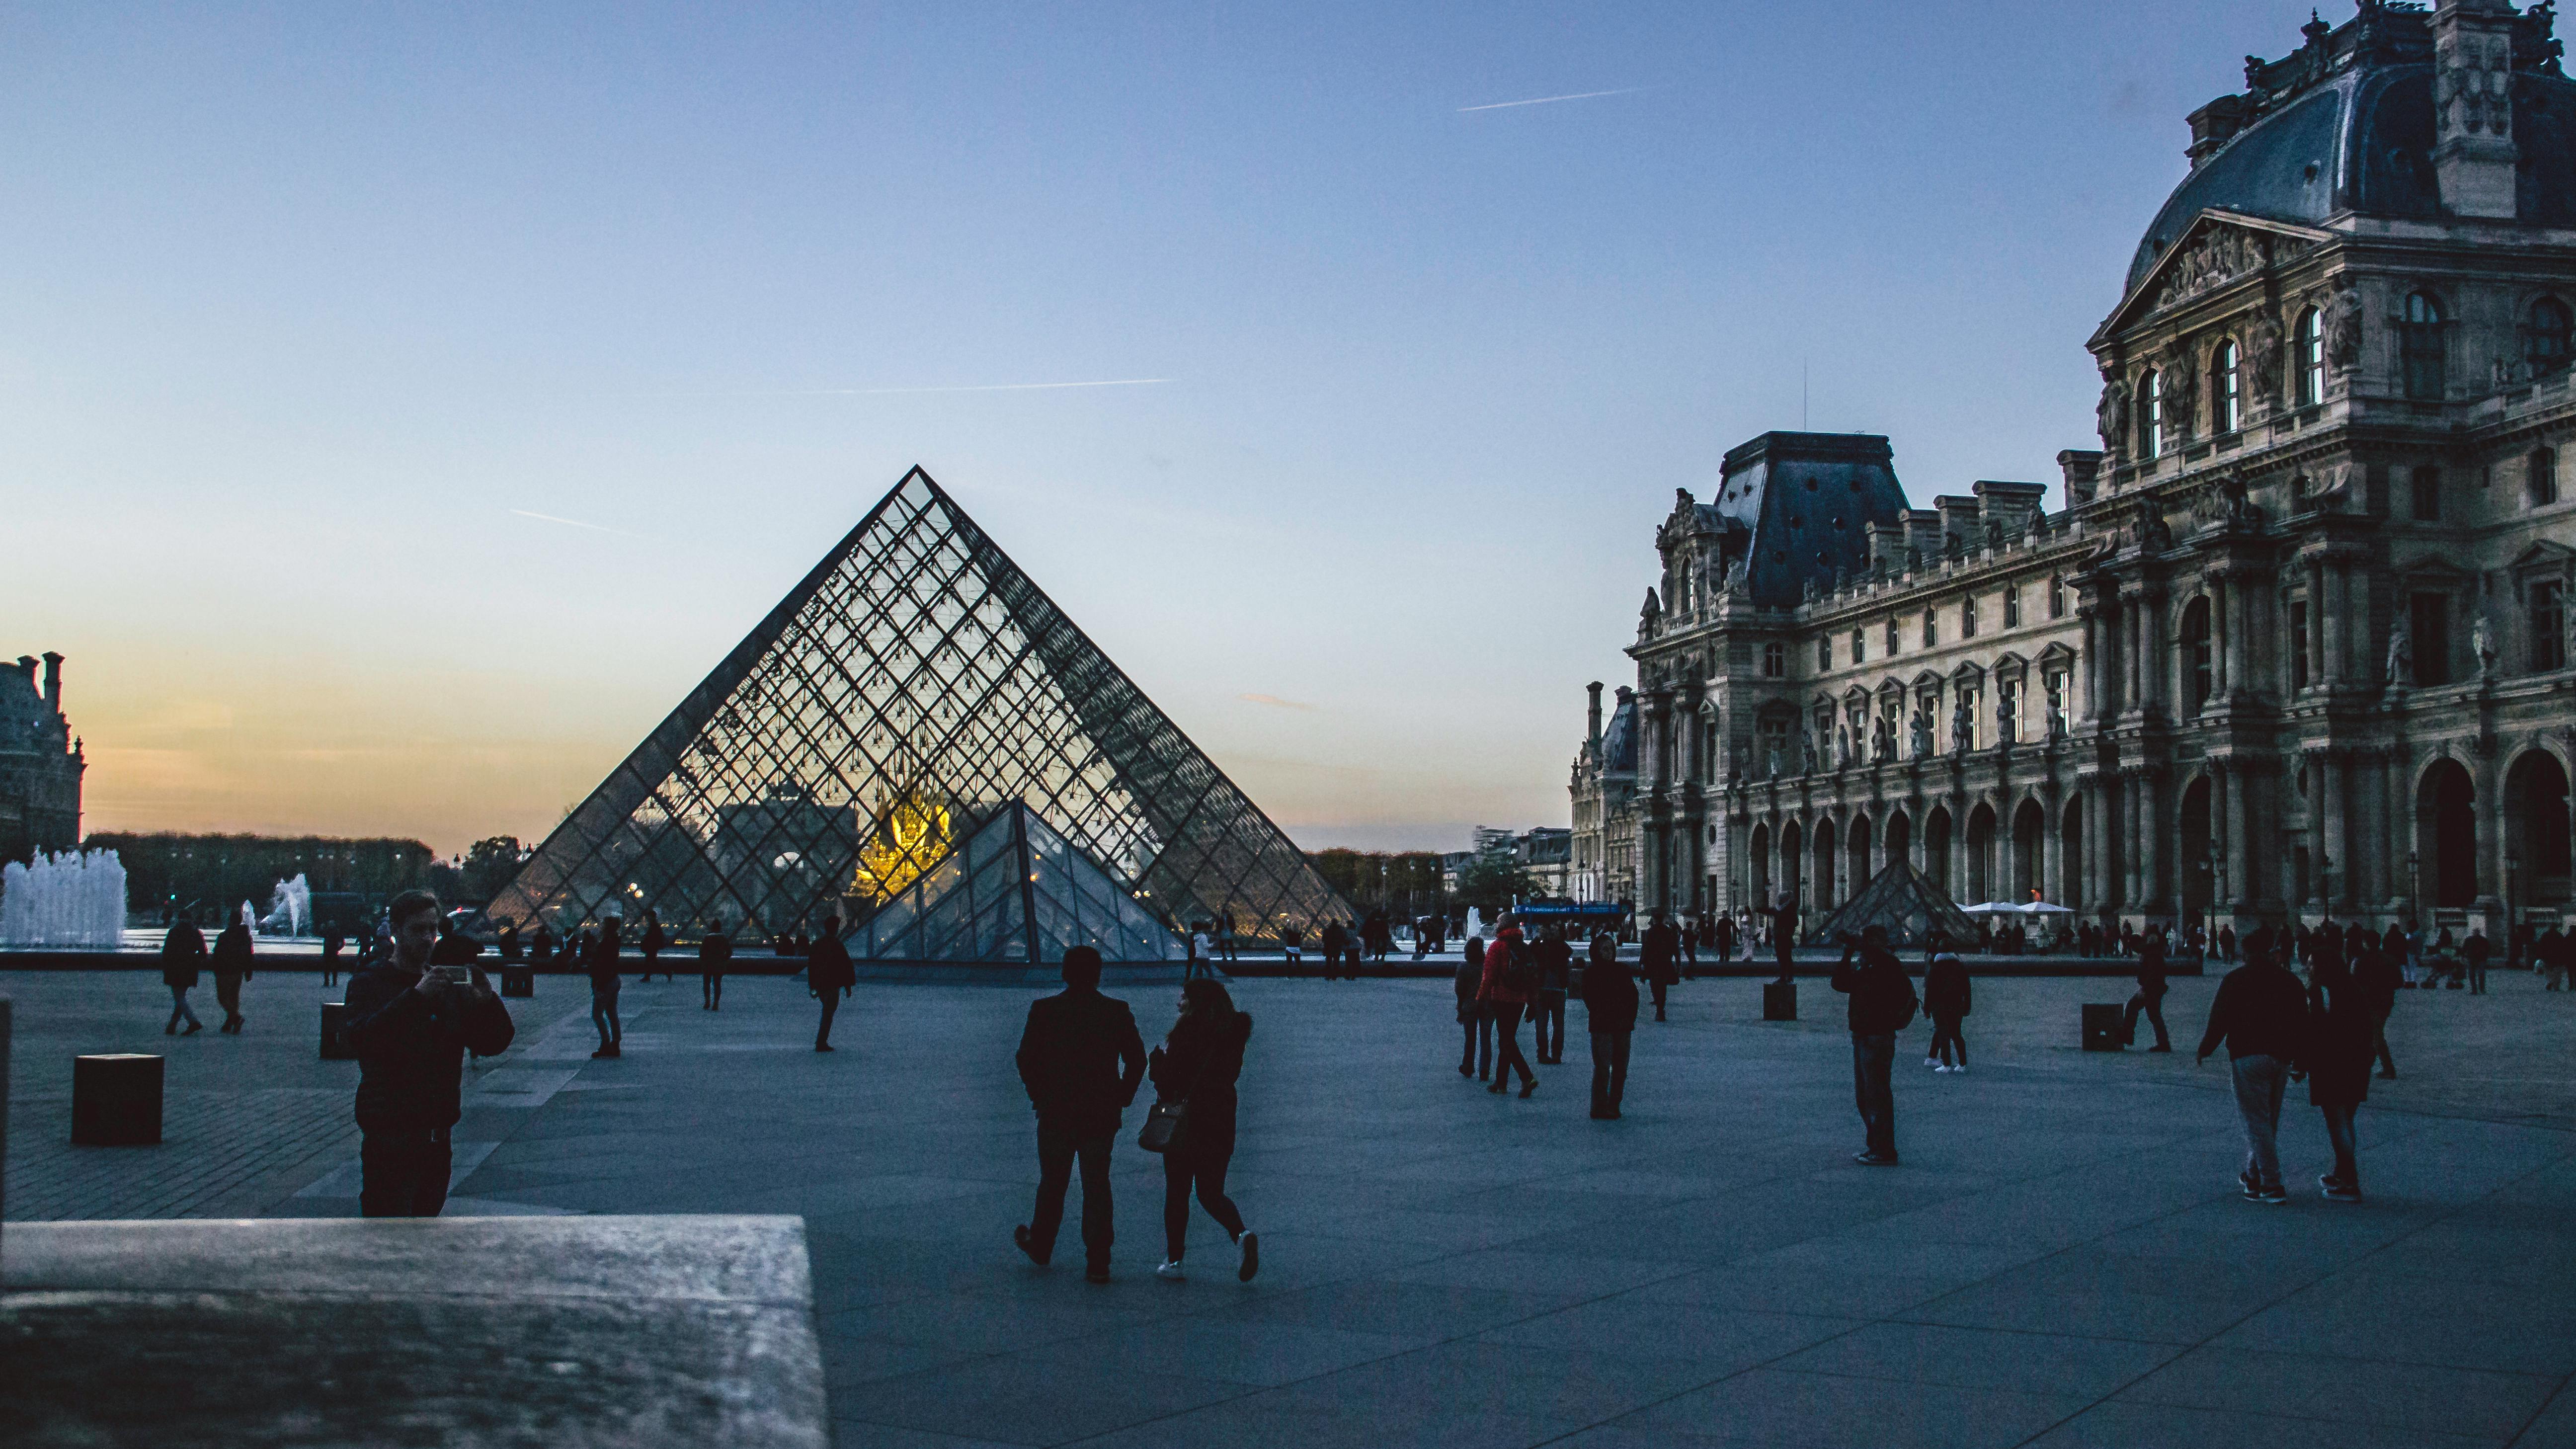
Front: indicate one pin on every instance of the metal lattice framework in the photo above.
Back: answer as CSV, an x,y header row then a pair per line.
x,y
911,688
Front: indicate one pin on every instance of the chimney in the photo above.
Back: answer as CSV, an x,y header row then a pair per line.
x,y
1592,716
2081,469
53,681
2473,149
27,667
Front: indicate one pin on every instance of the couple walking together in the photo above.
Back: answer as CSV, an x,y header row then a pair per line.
x,y
1498,982
1081,1061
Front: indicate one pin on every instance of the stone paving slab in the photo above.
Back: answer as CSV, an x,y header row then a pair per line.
x,y
2062,1259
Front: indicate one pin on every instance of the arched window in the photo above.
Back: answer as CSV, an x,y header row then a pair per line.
x,y
2312,358
2546,341
2151,415
2196,659
2227,388
2541,484
2420,348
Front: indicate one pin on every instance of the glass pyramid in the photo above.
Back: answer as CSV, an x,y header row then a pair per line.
x,y
881,720
1014,891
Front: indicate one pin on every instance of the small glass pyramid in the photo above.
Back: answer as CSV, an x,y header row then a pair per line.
x,y
872,732
1015,891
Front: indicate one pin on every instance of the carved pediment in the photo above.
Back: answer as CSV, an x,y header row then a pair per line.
x,y
2544,556
2217,249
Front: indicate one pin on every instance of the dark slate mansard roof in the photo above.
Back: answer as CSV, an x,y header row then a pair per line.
x,y
1797,505
1619,737
2345,124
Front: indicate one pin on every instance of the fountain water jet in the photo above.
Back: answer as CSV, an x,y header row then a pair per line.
x,y
76,898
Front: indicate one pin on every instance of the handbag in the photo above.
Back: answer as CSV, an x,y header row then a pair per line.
x,y
1167,1124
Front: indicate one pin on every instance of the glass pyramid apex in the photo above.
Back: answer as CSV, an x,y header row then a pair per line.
x,y
883,714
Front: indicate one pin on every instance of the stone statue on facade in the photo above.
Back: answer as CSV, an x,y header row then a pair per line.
x,y
2056,717
2482,643
2004,718
1963,729
2343,328
2241,510
2111,418
1842,748
1922,732
1774,762
2263,352
2401,655
1882,741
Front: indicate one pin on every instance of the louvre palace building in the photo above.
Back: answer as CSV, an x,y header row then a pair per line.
x,y
2298,644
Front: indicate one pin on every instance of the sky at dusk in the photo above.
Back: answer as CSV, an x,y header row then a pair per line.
x,y
401,408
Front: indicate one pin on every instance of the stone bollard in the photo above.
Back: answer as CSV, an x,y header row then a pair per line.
x,y
518,981
1779,1001
2102,1027
116,1100
335,1045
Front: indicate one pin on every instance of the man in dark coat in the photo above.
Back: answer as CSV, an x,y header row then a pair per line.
x,y
181,950
715,953
1947,999
2375,980
1610,1019
1784,934
2261,1014
828,970
1471,1016
1081,1061
2150,995
1882,1002
232,962
1722,936
1659,956
411,1023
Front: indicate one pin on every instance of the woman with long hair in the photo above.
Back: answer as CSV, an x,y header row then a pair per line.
x,y
1197,1064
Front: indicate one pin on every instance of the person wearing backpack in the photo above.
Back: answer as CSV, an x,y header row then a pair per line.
x,y
1882,1002
1510,980
1946,1001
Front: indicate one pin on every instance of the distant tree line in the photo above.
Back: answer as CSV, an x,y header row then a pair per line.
x,y
211,875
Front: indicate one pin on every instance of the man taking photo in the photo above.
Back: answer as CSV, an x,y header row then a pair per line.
x,y
410,1022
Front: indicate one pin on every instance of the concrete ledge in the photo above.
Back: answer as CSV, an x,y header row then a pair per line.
x,y
466,1332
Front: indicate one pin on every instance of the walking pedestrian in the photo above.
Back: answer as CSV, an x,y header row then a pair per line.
x,y
1510,979
332,944
652,945
601,960
1202,953
1946,999
1197,1066
1784,934
1882,1002
2150,995
2261,1014
1080,1061
2374,979
411,1021
510,945
181,950
715,953
1336,937
232,963
1610,1022
1291,939
1547,1009
1476,1057
2477,951
1225,936
1722,936
541,946
1660,957
828,969
2337,1061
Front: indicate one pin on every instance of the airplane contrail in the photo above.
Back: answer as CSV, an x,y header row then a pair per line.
x,y
570,522
1551,100
984,387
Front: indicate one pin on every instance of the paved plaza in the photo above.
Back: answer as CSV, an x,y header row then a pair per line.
x,y
2062,1260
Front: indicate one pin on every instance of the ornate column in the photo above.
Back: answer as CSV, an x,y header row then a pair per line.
x,y
2492,846
1959,843
2318,655
2097,840
2151,836
2222,638
2239,890
2052,846
2090,617
1654,852
2155,651
2128,833
2338,865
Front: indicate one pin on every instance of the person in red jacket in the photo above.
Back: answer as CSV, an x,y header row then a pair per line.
x,y
1511,971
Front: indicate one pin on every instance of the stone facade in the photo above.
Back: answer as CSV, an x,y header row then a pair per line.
x,y
2300,642
40,763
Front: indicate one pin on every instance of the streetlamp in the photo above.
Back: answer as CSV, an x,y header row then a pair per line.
x,y
2414,884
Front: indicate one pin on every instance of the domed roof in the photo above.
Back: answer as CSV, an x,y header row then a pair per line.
x,y
2346,125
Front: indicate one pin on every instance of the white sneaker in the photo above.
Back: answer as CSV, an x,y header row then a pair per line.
x,y
1172,1270
1941,1068
1933,1062
1961,1067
